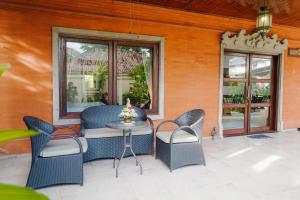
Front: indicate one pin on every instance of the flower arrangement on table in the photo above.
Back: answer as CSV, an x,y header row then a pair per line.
x,y
128,113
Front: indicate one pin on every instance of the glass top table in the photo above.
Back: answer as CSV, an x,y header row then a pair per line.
x,y
126,126
127,132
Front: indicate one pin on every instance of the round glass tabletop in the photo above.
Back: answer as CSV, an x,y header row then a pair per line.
x,y
123,125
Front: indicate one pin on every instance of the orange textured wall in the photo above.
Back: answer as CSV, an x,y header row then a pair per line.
x,y
291,90
192,56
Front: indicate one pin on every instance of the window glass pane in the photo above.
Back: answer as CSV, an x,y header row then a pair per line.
x,y
233,93
259,117
260,92
234,67
87,75
134,76
261,68
233,118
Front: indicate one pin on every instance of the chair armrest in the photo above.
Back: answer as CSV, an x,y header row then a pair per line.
x,y
72,137
151,123
164,122
182,128
69,127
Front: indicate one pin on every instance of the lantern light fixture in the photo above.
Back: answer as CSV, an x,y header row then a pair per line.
x,y
264,20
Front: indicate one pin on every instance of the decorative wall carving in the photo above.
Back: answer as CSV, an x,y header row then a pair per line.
x,y
255,42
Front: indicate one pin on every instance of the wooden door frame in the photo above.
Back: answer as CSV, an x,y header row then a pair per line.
x,y
239,80
278,80
247,105
254,42
272,81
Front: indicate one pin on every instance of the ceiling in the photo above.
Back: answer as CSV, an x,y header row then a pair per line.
x,y
285,12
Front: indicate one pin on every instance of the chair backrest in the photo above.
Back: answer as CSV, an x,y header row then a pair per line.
x,y
98,116
194,119
38,141
32,122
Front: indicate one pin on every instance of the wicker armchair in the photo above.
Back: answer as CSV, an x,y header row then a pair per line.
x,y
183,146
54,161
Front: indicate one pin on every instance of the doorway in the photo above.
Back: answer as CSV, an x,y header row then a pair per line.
x,y
249,93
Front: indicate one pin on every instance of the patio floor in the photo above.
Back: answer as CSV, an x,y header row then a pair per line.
x,y
237,168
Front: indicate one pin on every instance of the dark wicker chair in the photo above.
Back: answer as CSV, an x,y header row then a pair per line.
x,y
183,146
108,143
54,161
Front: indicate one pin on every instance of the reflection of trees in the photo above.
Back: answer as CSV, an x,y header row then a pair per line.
x,y
88,67
236,95
260,93
138,50
139,91
100,75
88,47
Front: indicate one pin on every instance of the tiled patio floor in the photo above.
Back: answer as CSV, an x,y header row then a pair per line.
x,y
238,168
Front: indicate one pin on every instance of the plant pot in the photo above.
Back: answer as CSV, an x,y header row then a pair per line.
x,y
127,120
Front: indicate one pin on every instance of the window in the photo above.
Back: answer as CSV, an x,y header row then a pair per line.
x,y
96,71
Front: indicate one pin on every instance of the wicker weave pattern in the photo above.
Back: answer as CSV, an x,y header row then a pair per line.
x,y
176,155
112,147
58,170
193,119
54,170
97,117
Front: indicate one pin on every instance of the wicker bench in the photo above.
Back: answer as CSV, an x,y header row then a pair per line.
x,y
108,143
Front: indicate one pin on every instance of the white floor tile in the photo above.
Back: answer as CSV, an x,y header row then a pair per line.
x,y
237,168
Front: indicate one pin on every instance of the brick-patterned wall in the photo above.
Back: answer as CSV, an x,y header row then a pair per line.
x,y
192,56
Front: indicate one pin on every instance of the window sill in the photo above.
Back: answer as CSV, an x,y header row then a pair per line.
x,y
155,117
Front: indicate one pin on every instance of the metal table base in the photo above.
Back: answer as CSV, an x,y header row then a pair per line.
x,y
126,146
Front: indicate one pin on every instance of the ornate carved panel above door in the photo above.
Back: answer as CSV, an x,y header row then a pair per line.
x,y
255,42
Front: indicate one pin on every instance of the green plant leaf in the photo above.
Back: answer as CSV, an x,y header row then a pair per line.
x,y
13,192
10,135
3,68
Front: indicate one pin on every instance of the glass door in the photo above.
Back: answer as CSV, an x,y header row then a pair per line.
x,y
260,95
248,93
234,93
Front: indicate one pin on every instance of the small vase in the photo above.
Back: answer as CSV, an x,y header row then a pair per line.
x,y
127,120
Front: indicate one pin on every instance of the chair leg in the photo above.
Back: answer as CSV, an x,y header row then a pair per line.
x,y
203,157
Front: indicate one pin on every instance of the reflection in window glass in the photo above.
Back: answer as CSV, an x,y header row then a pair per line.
x,y
233,118
261,68
233,93
234,67
260,92
87,75
259,117
134,76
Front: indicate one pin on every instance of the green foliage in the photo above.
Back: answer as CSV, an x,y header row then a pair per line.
x,y
10,135
88,47
139,91
3,68
131,48
100,74
19,193
71,92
